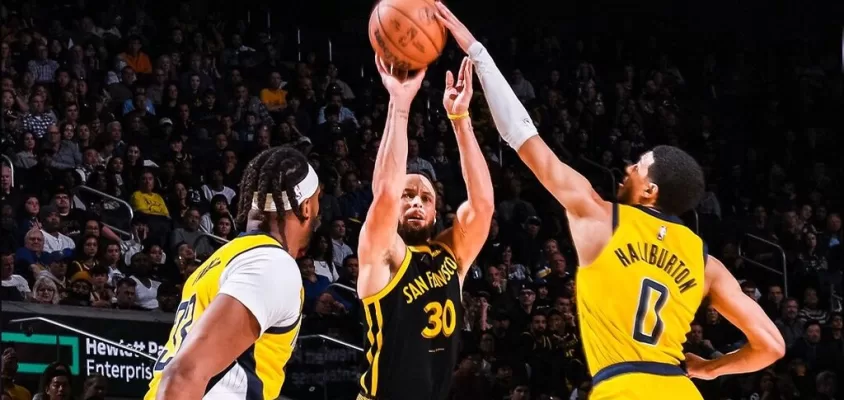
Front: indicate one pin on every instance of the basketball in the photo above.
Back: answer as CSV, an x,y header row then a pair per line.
x,y
406,33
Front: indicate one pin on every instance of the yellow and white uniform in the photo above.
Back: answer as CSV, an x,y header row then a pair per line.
x,y
261,275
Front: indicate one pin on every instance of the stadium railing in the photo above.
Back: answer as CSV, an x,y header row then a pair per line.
x,y
113,221
750,240
83,333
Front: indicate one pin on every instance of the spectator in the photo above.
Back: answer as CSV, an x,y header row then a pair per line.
x,y
314,284
146,202
818,356
321,253
46,291
15,287
31,258
54,240
216,186
37,120
125,295
189,233
146,288
339,249
57,271
94,387
79,292
812,310
26,157
135,58
274,96
42,68
9,371
790,326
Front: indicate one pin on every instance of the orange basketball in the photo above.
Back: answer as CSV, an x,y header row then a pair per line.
x,y
406,33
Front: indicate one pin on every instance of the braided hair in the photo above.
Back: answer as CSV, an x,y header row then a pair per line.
x,y
272,172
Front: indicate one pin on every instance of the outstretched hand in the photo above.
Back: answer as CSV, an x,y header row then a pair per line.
x,y
399,89
458,94
461,34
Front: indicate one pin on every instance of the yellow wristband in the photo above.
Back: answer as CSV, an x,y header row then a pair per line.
x,y
455,117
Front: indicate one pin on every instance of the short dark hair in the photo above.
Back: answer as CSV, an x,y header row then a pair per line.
x,y
679,178
349,257
423,172
128,282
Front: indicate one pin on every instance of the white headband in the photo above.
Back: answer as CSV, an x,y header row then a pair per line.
x,y
303,190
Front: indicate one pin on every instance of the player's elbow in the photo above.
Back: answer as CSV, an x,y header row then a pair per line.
x,y
771,345
777,345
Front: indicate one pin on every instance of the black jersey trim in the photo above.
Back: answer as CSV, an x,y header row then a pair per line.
x,y
614,216
393,281
659,214
280,330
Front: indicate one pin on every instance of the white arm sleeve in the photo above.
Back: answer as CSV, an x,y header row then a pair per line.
x,y
267,282
511,119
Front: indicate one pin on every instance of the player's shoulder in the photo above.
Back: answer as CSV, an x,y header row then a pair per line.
x,y
258,254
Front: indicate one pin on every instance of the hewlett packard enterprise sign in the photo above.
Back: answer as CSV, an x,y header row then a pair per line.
x,y
87,355
38,344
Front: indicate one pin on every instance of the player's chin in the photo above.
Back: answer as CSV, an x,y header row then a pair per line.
x,y
415,232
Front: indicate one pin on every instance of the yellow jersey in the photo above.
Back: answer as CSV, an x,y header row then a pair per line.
x,y
261,275
636,301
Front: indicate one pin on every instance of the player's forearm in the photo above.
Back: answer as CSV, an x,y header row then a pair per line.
x,y
181,385
744,360
391,160
511,118
473,165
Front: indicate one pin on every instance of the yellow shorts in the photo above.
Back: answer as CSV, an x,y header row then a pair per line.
x,y
639,386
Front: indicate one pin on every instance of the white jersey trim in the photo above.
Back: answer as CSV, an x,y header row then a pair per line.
x,y
266,280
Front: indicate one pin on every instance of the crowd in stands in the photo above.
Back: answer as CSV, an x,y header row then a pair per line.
x,y
162,114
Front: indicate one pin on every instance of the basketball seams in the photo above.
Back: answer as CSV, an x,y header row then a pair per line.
x,y
400,11
388,37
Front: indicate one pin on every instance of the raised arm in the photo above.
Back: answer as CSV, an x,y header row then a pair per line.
x,y
514,124
764,341
378,237
470,230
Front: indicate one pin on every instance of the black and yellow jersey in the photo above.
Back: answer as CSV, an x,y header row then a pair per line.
x,y
412,328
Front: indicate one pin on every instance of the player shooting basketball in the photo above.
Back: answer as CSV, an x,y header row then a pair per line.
x,y
410,283
642,273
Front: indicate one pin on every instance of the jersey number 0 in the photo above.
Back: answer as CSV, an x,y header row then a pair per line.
x,y
649,288
442,318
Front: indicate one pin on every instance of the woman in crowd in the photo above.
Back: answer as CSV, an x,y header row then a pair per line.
x,y
45,291
87,250
26,158
321,252
147,202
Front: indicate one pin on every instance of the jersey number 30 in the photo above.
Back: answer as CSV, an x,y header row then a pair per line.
x,y
184,319
650,288
441,318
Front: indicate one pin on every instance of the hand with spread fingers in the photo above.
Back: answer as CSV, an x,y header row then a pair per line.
x,y
458,94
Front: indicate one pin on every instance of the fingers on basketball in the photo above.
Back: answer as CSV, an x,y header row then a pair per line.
x,y
407,33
